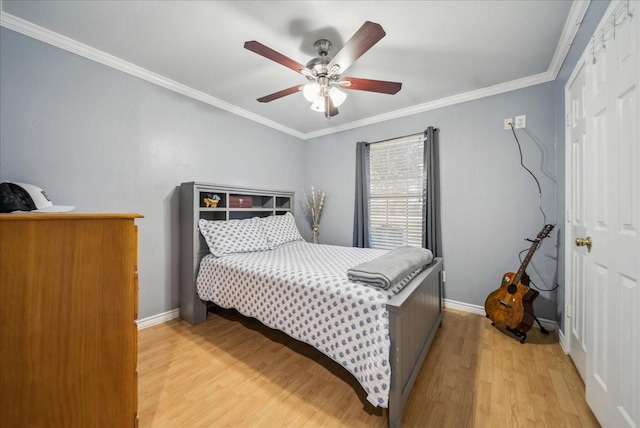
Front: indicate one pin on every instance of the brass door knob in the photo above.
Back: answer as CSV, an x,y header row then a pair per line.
x,y
584,242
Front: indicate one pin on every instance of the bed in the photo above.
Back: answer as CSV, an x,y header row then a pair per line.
x,y
380,336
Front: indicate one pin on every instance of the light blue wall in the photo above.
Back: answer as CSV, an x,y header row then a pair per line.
x,y
489,202
589,23
105,141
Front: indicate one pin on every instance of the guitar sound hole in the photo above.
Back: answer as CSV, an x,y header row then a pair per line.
x,y
512,289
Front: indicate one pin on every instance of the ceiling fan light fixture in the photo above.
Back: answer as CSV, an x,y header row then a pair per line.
x,y
312,92
337,96
318,105
335,70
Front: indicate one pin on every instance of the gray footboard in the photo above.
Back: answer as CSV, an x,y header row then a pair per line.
x,y
414,317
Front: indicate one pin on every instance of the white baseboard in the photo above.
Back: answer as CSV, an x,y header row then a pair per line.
x,y
479,310
562,340
158,319
464,307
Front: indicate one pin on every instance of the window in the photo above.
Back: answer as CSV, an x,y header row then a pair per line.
x,y
396,192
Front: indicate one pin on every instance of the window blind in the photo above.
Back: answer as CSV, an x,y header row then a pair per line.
x,y
396,192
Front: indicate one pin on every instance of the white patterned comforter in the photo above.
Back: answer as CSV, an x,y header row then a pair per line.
x,y
302,289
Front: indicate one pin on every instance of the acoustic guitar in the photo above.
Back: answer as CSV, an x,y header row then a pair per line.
x,y
511,306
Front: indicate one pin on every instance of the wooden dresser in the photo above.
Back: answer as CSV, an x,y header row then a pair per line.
x,y
68,304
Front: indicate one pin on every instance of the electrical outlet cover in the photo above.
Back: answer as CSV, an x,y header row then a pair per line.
x,y
507,123
521,122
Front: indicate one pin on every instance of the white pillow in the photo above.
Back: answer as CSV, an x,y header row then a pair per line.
x,y
280,229
233,236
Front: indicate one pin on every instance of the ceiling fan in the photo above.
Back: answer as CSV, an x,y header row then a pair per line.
x,y
325,73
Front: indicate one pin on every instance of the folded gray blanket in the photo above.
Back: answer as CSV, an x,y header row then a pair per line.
x,y
390,268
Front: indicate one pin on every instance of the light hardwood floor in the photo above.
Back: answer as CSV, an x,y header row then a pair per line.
x,y
231,371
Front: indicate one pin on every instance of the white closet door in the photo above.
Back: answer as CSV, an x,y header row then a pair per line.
x,y
613,218
576,226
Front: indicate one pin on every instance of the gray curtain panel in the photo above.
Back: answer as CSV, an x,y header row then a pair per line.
x,y
431,238
361,211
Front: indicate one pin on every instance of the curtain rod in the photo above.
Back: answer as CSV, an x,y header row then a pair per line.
x,y
415,134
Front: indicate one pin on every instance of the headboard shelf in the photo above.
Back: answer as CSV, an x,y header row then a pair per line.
x,y
268,210
234,203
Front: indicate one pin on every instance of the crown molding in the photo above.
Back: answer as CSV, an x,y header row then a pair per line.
x,y
35,31
576,14
571,27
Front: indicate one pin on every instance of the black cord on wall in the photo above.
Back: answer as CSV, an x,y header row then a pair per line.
x,y
544,215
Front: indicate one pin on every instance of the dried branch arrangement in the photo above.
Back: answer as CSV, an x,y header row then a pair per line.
x,y
315,203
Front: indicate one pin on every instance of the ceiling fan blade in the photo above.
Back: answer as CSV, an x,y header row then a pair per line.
x,y
330,110
367,36
269,53
280,94
381,86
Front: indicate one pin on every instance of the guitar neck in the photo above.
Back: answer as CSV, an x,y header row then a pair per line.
x,y
536,243
526,260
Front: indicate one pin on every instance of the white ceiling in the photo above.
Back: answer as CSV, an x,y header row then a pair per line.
x,y
442,51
